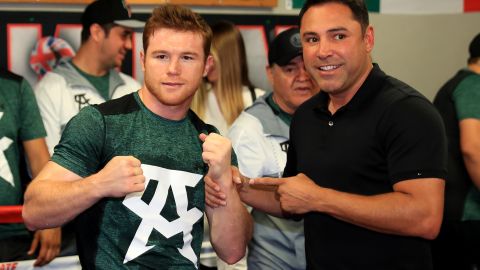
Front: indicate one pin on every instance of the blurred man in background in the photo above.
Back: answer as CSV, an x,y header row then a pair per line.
x,y
458,101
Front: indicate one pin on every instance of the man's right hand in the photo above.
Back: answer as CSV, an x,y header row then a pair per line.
x,y
122,175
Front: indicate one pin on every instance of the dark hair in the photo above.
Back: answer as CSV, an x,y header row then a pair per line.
x,y
358,8
177,18
106,28
473,60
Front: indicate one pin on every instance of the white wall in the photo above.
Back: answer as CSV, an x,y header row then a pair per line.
x,y
422,50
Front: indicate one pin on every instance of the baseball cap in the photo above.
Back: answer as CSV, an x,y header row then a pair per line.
x,y
474,47
109,11
286,46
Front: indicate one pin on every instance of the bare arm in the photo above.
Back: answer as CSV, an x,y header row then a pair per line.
x,y
58,195
37,154
231,224
470,146
414,208
49,240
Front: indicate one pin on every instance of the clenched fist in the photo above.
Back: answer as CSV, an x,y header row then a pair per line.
x,y
122,175
217,151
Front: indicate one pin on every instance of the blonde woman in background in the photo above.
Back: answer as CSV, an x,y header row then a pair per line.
x,y
226,91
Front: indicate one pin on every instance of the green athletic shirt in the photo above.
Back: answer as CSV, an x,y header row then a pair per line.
x,y
285,117
173,200
20,121
466,98
101,83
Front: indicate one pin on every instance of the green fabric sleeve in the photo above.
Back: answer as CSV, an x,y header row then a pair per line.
x,y
31,126
81,145
467,98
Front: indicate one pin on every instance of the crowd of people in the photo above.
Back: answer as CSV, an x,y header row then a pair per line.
x,y
340,166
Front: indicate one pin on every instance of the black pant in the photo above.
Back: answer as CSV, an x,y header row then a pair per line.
x,y
457,247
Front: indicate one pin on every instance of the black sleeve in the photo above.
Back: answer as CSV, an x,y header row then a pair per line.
x,y
413,135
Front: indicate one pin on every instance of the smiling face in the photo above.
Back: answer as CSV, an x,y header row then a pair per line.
x,y
174,65
335,50
291,83
115,45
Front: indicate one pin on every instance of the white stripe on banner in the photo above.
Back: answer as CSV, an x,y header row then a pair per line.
x,y
421,6
59,263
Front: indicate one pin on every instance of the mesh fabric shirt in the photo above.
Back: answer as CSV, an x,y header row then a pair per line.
x,y
114,234
19,121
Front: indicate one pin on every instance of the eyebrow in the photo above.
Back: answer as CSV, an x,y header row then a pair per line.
x,y
338,29
182,53
333,30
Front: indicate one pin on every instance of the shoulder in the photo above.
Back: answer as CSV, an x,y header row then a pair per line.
x,y
122,105
259,105
394,90
245,126
14,85
6,75
400,100
470,84
51,80
85,120
245,121
259,92
129,80
11,83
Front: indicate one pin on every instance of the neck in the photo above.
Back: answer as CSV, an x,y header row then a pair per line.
x,y
171,112
283,107
340,99
475,67
87,60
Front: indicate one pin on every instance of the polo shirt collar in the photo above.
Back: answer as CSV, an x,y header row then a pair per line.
x,y
372,84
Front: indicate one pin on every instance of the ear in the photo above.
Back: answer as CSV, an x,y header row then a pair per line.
x,y
142,60
369,38
96,32
208,65
269,71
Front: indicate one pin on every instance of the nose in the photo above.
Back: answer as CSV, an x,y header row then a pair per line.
x,y
174,67
303,74
128,43
324,49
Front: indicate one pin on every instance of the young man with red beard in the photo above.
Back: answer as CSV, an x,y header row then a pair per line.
x,y
130,171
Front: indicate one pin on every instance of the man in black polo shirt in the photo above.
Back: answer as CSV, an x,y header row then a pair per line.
x,y
367,155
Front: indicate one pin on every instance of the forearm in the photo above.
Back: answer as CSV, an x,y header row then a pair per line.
x,y
37,154
394,213
470,147
230,227
472,163
50,203
262,199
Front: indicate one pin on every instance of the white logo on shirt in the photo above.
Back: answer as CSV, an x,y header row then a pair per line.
x,y
150,213
5,171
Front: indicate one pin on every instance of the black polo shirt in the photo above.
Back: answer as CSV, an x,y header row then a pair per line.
x,y
387,133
